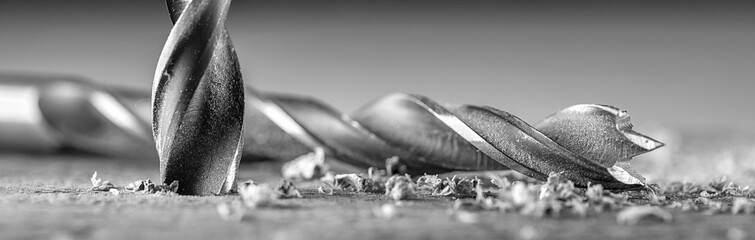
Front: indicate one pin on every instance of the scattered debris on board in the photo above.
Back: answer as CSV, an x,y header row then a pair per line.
x,y
99,185
306,167
257,195
352,182
400,187
286,189
454,186
393,166
632,215
148,187
140,186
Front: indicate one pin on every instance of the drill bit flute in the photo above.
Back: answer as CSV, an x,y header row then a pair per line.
x,y
198,100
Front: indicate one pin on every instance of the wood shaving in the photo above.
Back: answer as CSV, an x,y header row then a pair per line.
x,y
99,185
400,187
148,187
393,166
350,182
557,187
286,189
257,195
306,167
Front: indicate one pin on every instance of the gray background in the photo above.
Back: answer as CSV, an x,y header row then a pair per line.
x,y
679,64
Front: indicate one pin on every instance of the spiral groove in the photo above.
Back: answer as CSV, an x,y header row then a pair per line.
x,y
198,100
430,137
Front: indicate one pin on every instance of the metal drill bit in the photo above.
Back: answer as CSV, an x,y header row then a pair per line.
x,y
198,100
589,143
49,113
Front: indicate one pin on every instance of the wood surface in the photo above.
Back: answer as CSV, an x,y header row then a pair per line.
x,y
48,197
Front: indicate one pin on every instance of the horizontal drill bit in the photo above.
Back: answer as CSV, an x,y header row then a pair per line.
x,y
589,143
51,113
285,127
198,100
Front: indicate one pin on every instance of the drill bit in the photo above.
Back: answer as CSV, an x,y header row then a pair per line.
x,y
51,113
587,143
198,100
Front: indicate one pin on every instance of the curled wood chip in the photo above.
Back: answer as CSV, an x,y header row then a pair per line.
x,y
466,186
306,167
393,166
429,184
460,187
400,187
350,182
286,189
557,187
99,185
257,195
633,215
149,187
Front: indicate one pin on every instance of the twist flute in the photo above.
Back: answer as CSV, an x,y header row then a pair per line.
x,y
198,100
589,143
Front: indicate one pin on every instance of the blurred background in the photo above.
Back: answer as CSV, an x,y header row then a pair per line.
x,y
684,70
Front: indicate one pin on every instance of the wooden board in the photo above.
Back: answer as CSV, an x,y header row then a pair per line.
x,y
47,197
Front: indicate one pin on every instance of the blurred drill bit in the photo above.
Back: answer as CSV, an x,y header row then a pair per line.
x,y
198,100
49,113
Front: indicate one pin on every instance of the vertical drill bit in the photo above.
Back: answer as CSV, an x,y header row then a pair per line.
x,y
198,100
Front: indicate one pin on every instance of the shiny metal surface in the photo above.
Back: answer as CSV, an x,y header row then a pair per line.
x,y
49,113
198,101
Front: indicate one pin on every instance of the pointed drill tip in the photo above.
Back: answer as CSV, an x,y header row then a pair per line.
x,y
645,142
